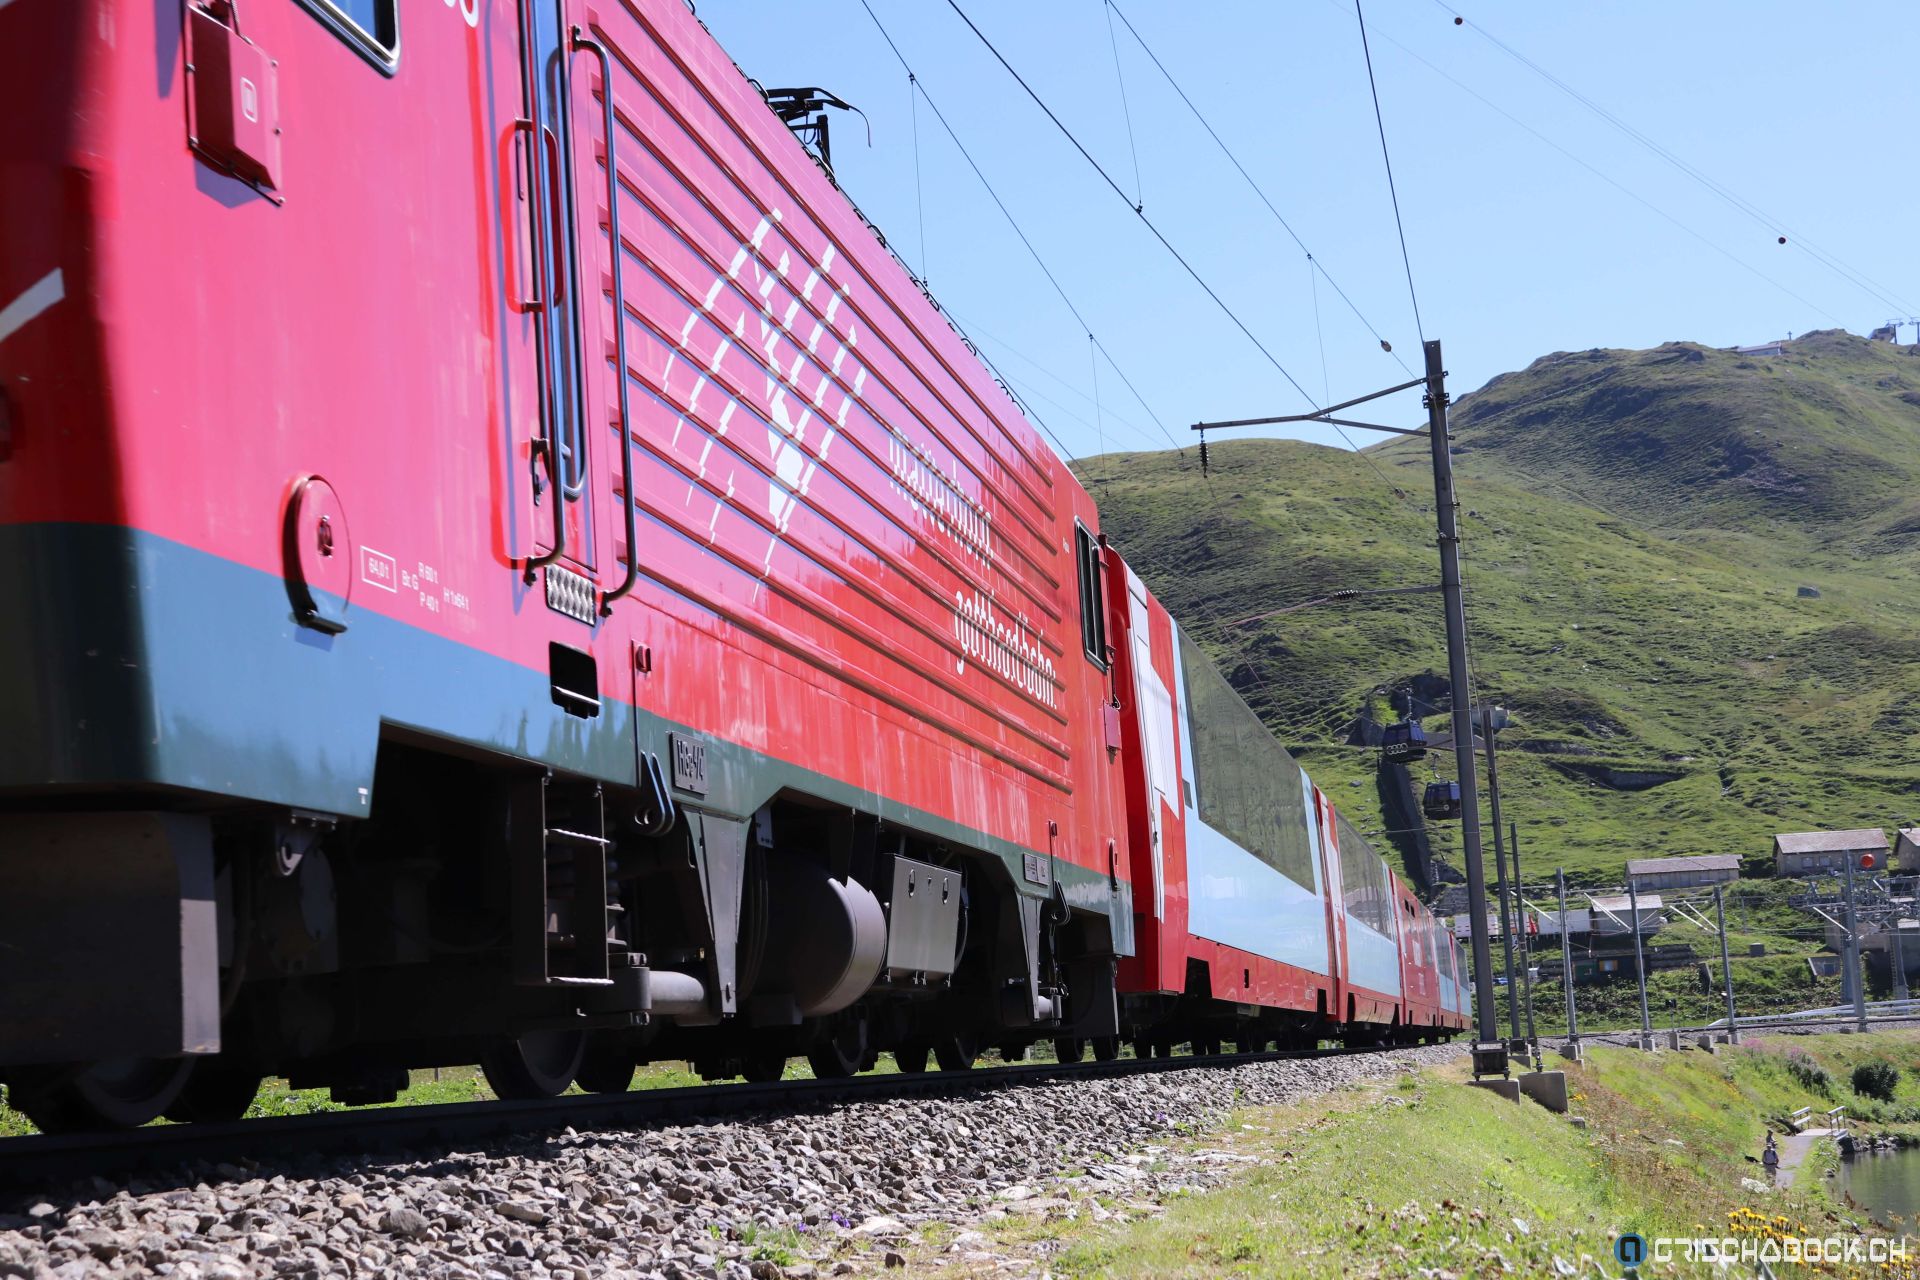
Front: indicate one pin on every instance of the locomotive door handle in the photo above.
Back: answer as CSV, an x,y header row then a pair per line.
x,y
529,295
616,251
555,213
570,436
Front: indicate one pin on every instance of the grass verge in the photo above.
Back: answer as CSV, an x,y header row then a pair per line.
x,y
1425,1177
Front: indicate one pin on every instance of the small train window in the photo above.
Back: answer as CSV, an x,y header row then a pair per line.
x,y
370,26
1093,597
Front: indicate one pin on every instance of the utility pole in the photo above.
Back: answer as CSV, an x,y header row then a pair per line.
x,y
1639,964
1446,513
1500,882
1854,974
1526,946
1726,965
1490,1055
1566,960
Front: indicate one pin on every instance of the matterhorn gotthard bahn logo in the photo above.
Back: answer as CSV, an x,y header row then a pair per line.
x,y
796,346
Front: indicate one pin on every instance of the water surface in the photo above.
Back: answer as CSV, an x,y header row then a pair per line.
x,y
1885,1184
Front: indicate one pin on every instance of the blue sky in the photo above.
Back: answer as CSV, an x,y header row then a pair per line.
x,y
1518,249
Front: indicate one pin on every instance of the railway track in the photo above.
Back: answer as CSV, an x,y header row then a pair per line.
x,y
283,1142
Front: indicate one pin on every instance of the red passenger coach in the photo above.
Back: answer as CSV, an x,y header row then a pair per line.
x,y
509,568
1262,916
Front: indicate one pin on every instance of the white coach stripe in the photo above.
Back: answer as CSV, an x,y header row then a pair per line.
x,y
48,291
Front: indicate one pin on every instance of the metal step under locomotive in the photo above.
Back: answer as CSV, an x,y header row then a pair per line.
x,y
570,601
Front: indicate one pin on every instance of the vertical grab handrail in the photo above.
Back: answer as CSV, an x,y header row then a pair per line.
x,y
543,255
581,40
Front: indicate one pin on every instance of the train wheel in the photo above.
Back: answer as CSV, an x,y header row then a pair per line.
x,y
911,1057
957,1052
842,1053
214,1093
1143,1048
540,1064
764,1068
122,1094
1206,1048
1069,1048
1106,1048
605,1069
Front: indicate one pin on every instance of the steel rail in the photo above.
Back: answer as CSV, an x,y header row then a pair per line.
x,y
278,1143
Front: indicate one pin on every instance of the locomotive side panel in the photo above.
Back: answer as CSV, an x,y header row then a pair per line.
x,y
825,487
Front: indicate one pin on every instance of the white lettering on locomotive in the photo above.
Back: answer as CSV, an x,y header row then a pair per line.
x,y
469,9
937,496
807,390
1009,651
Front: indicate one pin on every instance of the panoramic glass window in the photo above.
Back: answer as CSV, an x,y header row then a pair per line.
x,y
1249,787
1368,888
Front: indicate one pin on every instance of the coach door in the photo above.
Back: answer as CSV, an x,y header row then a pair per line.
x,y
1156,735
553,162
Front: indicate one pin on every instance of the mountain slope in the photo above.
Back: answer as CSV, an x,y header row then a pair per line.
x,y
1642,532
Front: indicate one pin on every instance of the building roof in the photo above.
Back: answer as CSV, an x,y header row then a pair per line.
x,y
1623,903
1830,841
1689,862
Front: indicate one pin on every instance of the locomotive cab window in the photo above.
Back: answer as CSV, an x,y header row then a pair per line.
x,y
371,26
1093,596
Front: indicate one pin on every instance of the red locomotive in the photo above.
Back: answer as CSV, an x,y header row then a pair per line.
x,y
504,566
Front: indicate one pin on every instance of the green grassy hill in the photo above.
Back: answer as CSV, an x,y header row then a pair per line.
x,y
1693,578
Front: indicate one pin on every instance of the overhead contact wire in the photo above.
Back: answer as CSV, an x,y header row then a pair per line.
x,y
1126,112
1258,190
1166,244
1611,181
1015,224
1386,158
1730,197
919,204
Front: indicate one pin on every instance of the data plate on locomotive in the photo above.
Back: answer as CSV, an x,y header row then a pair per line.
x,y
1037,868
689,762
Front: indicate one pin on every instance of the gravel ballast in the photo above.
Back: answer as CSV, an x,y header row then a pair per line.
x,y
756,1198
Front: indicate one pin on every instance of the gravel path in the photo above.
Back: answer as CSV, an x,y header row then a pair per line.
x,y
798,1195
